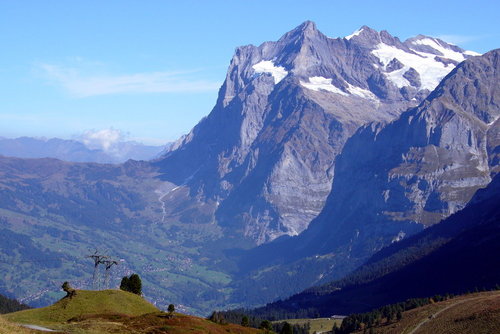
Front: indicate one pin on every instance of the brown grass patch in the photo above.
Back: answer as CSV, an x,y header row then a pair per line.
x,y
477,313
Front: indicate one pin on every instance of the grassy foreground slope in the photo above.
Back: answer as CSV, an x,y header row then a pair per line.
x,y
477,313
85,303
10,328
112,311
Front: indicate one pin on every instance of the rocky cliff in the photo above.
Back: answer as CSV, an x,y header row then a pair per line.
x,y
262,162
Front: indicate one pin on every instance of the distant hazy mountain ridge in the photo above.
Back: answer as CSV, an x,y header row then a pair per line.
x,y
76,151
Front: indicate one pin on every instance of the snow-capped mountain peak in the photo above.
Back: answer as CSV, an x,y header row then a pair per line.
x,y
279,102
421,63
438,47
417,64
420,70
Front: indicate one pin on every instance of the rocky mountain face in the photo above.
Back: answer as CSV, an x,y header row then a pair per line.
x,y
420,168
76,151
262,162
393,180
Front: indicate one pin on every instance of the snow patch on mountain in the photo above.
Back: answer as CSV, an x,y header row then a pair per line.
x,y
472,53
397,77
436,45
267,66
493,121
430,70
356,33
363,93
321,83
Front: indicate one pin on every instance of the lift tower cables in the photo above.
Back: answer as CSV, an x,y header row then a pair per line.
x,y
98,259
108,263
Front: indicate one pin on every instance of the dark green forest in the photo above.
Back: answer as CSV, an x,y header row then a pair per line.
x,y
8,305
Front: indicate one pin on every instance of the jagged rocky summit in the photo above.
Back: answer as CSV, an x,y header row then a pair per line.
x,y
262,163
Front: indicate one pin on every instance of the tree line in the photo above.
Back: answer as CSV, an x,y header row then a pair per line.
x,y
240,318
8,305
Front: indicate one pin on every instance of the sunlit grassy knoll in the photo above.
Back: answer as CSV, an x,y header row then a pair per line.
x,y
85,303
112,311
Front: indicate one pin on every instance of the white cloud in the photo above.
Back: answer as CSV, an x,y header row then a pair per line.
x,y
81,85
104,139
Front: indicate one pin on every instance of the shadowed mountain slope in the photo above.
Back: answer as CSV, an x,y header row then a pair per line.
x,y
454,256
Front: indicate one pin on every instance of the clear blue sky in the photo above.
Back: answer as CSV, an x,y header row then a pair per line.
x,y
151,69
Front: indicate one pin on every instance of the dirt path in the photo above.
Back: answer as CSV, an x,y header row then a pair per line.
x,y
434,315
38,328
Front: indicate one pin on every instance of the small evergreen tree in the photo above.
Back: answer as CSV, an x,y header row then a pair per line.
x,y
287,329
244,321
171,308
217,317
266,324
135,284
132,284
125,284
